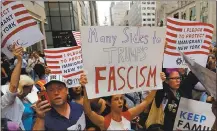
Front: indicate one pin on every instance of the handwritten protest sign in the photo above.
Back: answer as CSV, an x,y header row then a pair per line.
x,y
205,76
190,37
66,61
17,27
194,116
122,59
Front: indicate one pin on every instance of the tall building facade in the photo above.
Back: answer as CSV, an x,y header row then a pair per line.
x,y
118,11
148,10
65,17
141,13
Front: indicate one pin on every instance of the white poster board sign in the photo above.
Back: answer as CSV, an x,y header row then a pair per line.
x,y
66,61
190,37
122,59
194,116
17,27
205,76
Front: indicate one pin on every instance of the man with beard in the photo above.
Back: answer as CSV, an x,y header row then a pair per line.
x,y
57,113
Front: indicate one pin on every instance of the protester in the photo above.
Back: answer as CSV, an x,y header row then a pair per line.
x,y
57,113
24,65
40,71
173,90
30,66
118,119
39,60
13,104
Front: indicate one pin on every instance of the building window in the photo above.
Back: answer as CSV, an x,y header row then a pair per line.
x,y
148,8
183,16
148,3
153,3
144,24
144,8
144,19
193,14
153,8
143,2
66,23
144,13
54,9
153,19
56,23
149,25
47,12
153,13
176,15
148,14
64,9
148,19
153,24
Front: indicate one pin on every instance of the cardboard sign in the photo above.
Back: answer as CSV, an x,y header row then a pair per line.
x,y
194,116
205,76
17,27
122,59
190,37
66,61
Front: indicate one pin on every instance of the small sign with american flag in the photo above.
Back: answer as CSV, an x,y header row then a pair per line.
x,y
77,36
190,37
66,61
17,27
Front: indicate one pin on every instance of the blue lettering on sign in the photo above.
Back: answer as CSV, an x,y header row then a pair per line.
x,y
191,116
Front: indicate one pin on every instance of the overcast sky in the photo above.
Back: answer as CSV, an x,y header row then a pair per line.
x,y
103,10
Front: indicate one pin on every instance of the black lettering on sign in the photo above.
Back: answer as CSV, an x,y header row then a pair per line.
x,y
9,27
6,20
53,77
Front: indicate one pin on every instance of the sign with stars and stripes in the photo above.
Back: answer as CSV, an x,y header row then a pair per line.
x,y
77,36
17,27
66,61
190,37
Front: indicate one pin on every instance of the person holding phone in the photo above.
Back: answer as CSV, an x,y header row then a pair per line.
x,y
56,112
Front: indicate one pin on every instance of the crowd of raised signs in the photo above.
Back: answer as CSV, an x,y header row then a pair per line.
x,y
62,108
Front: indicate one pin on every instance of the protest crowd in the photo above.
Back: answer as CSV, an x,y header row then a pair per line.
x,y
64,107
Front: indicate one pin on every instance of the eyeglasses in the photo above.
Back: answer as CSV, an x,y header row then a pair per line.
x,y
175,78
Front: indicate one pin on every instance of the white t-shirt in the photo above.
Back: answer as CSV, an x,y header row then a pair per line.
x,y
124,124
24,63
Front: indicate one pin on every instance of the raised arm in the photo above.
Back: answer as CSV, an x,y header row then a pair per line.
x,y
135,111
93,116
9,97
15,77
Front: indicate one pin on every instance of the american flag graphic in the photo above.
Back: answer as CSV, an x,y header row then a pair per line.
x,y
176,27
77,36
54,57
20,16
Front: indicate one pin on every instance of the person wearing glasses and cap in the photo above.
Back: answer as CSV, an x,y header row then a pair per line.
x,y
57,113
173,89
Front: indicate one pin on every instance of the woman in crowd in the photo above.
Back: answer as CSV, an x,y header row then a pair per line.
x,y
119,117
13,103
173,90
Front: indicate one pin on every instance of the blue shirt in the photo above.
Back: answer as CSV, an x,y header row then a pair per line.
x,y
55,121
27,117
